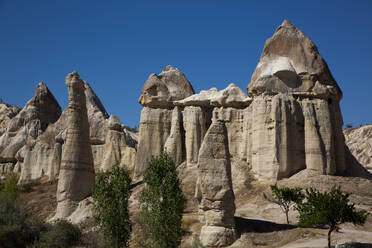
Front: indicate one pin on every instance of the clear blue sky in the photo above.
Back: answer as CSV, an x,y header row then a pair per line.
x,y
115,45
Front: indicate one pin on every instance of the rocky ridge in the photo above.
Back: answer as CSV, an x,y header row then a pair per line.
x,y
290,120
227,145
359,142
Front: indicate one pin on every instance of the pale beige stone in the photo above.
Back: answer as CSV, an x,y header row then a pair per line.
x,y
161,90
155,126
174,145
196,121
359,141
39,112
290,64
214,188
76,177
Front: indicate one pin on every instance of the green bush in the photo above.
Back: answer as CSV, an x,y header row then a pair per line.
x,y
14,231
110,198
329,209
61,234
162,203
10,187
285,197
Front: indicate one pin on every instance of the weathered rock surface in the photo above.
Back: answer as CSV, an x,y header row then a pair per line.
x,y
296,121
290,121
161,90
214,189
39,112
76,177
175,142
359,141
158,96
232,96
290,64
7,112
116,149
44,157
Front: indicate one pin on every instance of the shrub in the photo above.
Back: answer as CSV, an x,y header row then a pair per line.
x,y
10,187
329,209
110,198
14,231
285,197
61,234
162,203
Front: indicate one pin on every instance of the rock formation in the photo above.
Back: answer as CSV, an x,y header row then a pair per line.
x,y
76,177
116,149
290,121
7,112
23,129
175,142
214,189
359,141
296,110
158,95
43,159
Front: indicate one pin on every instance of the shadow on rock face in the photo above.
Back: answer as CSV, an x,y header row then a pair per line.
x,y
244,225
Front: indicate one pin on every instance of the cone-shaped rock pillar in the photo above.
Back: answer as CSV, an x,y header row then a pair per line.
x,y
76,178
214,188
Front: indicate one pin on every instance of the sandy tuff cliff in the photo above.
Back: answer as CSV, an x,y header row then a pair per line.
x,y
24,128
359,141
290,120
76,177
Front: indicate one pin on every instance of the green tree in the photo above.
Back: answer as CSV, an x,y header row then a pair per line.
x,y
329,209
162,203
110,206
285,197
10,188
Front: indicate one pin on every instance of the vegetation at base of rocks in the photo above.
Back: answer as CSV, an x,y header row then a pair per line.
x,y
9,188
329,209
285,197
16,231
110,200
162,203
58,235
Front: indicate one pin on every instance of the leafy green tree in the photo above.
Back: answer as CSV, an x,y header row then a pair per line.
x,y
162,203
329,209
285,197
110,198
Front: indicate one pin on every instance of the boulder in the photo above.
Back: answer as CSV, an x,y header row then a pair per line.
x,y
76,177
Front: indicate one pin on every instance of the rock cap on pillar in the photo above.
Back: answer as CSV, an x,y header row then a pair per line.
x,y
291,64
161,90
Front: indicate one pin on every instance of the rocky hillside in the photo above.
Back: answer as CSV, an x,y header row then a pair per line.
x,y
359,141
228,146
